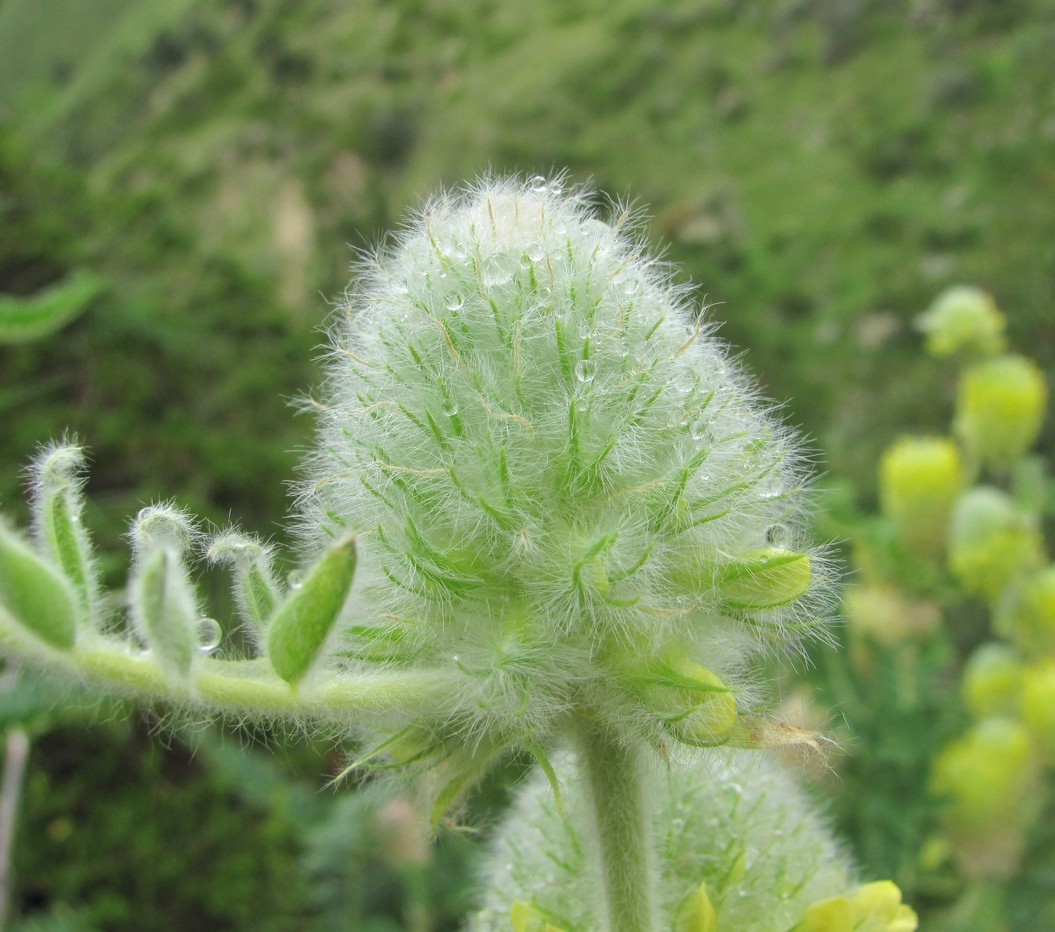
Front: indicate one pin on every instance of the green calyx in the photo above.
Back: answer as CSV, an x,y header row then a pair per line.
x,y
693,704
764,579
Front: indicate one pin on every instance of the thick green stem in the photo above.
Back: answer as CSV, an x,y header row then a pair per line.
x,y
614,777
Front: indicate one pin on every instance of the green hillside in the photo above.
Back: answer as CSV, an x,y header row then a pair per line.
x,y
820,170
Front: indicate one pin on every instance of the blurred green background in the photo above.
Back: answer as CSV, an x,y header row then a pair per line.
x,y
820,169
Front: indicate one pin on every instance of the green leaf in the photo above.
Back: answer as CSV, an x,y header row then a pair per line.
x,y
304,621
254,584
40,315
34,593
58,503
164,609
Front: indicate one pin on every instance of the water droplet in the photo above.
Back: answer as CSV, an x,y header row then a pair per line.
x,y
700,430
776,535
584,331
450,407
536,251
454,301
770,490
295,579
497,271
585,370
209,635
631,287
537,183
443,273
556,187
684,383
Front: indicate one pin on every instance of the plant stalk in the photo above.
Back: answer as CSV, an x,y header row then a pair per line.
x,y
613,775
16,753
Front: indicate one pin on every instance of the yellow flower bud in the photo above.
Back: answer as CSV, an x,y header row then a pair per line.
x,y
963,320
878,906
698,913
1000,408
920,479
834,914
990,779
1029,620
991,543
992,681
875,907
887,616
1038,707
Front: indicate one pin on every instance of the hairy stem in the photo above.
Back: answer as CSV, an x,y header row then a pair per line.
x,y
239,688
613,775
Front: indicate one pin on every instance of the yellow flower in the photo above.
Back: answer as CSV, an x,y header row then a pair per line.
x,y
875,907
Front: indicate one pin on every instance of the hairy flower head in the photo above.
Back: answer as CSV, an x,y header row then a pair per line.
x,y
558,479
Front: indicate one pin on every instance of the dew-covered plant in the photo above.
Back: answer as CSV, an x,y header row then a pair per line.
x,y
545,510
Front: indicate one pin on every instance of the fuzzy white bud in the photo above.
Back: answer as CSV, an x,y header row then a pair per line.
x,y
553,468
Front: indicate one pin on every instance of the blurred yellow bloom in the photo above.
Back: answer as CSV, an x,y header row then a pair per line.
x,y
920,479
1000,408
875,907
